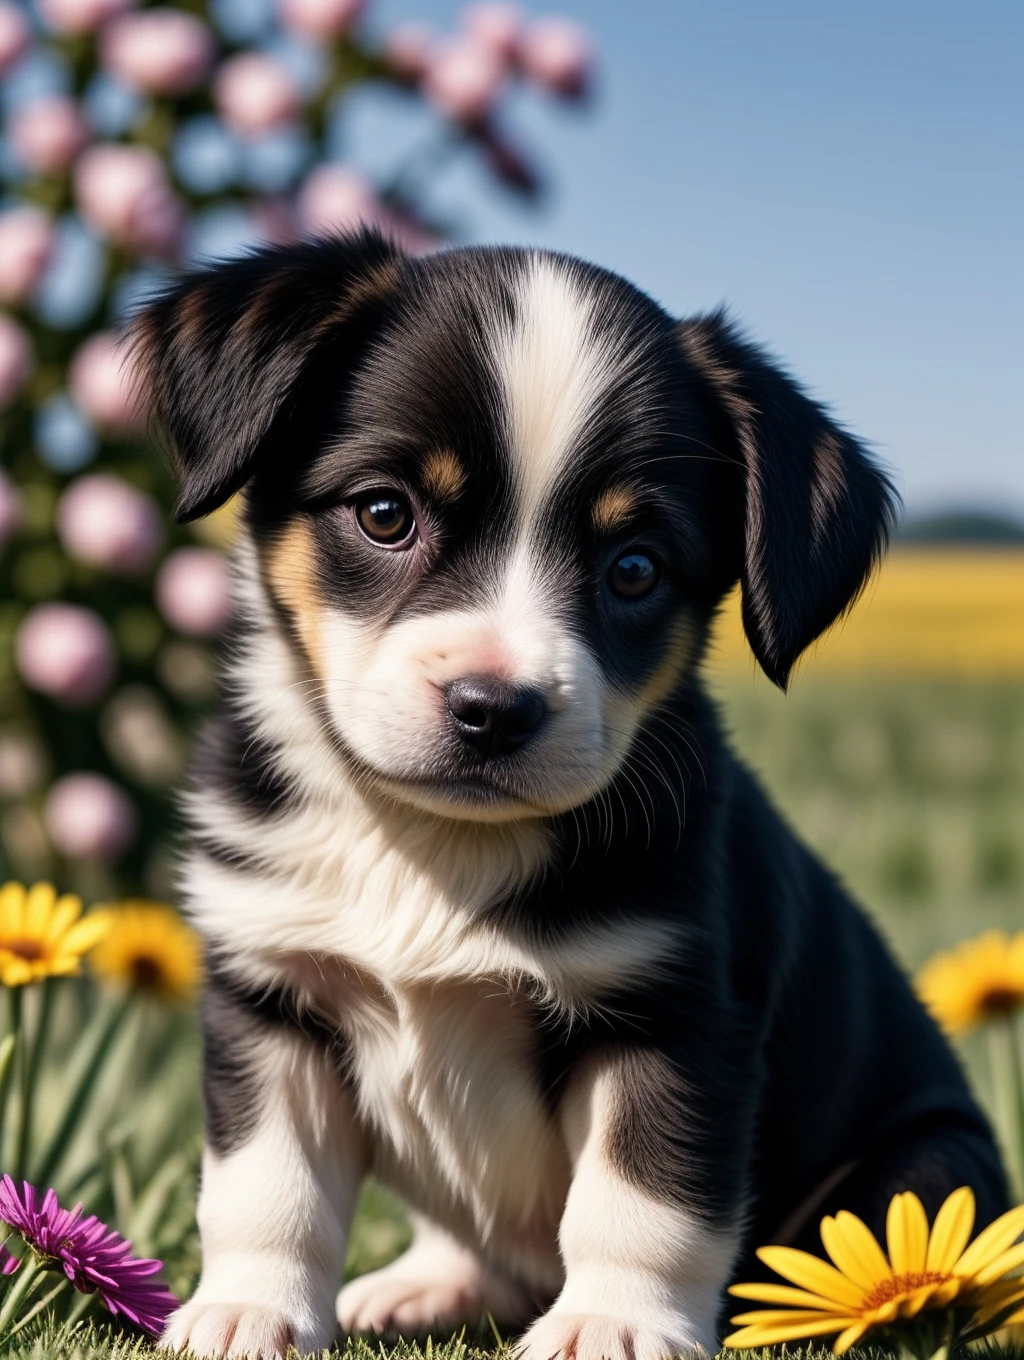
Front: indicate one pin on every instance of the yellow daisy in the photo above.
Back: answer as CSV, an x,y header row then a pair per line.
x,y
149,947
981,979
864,1288
43,935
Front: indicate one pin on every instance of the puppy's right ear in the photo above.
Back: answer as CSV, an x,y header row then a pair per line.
x,y
224,353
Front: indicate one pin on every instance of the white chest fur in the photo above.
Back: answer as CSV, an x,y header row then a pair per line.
x,y
446,1083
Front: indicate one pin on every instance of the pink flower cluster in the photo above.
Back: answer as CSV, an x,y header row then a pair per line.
x,y
465,75
123,191
95,1259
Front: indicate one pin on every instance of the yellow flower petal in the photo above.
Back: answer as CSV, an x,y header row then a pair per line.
x,y
66,912
811,1273
917,1299
945,1293
38,906
771,1335
151,948
849,1338
782,1293
853,1247
906,1234
951,1230
14,971
12,900
991,1242
1002,1265
993,1303
87,933
59,965
791,1316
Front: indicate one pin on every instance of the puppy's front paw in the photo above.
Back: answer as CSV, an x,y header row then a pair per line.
x,y
402,1299
229,1329
593,1336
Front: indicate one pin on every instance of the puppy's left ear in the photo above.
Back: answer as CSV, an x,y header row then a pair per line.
x,y
814,510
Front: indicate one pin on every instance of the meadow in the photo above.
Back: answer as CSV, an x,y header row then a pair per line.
x,y
898,755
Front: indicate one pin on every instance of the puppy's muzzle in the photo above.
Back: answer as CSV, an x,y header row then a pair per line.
x,y
492,716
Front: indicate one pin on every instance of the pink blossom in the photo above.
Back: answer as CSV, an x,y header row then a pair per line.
x,y
102,384
275,221
496,24
10,508
80,16
558,55
123,192
320,20
26,244
65,651
89,817
15,35
464,79
163,51
408,49
337,198
192,591
47,133
106,522
16,359
256,93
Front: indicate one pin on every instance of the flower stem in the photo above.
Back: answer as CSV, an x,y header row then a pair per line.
x,y
97,1042
1008,1086
32,1057
25,1281
7,1047
16,1032
59,1288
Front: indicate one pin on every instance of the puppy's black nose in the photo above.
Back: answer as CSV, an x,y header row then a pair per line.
x,y
492,715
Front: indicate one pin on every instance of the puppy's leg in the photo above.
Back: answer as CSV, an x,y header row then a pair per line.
x,y
933,1160
437,1282
645,1266
280,1176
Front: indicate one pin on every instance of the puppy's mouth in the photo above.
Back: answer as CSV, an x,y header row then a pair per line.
x,y
469,793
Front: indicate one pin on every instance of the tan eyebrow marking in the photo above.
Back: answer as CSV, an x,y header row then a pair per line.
x,y
612,509
289,568
443,474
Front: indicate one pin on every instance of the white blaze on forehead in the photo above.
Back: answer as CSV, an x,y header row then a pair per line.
x,y
554,368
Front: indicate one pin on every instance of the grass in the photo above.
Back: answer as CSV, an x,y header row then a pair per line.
x,y
912,788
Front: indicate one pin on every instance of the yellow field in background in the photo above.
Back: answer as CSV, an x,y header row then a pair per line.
x,y
948,611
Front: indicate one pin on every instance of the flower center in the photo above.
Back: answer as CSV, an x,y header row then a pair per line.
x,y
896,1286
25,949
147,972
1001,1000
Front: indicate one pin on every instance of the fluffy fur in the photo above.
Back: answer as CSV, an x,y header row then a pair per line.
x,y
491,911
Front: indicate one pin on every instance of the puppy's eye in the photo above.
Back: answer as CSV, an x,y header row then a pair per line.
x,y
386,518
633,576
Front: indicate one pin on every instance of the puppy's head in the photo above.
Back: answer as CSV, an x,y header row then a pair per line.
x,y
496,496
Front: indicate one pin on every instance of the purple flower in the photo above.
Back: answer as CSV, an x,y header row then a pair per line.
x,y
9,1263
95,1259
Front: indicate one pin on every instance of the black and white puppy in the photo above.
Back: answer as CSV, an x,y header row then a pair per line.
x,y
490,910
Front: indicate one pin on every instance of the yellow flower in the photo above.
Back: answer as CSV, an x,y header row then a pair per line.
x,y
149,947
41,934
981,979
865,1289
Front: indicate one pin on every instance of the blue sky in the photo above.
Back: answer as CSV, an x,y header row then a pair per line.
x,y
847,177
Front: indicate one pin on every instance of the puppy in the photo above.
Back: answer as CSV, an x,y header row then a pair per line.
x,y
491,912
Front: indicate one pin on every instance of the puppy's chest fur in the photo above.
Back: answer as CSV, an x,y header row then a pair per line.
x,y
446,1081
385,938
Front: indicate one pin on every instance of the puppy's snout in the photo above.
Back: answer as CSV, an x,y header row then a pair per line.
x,y
494,716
